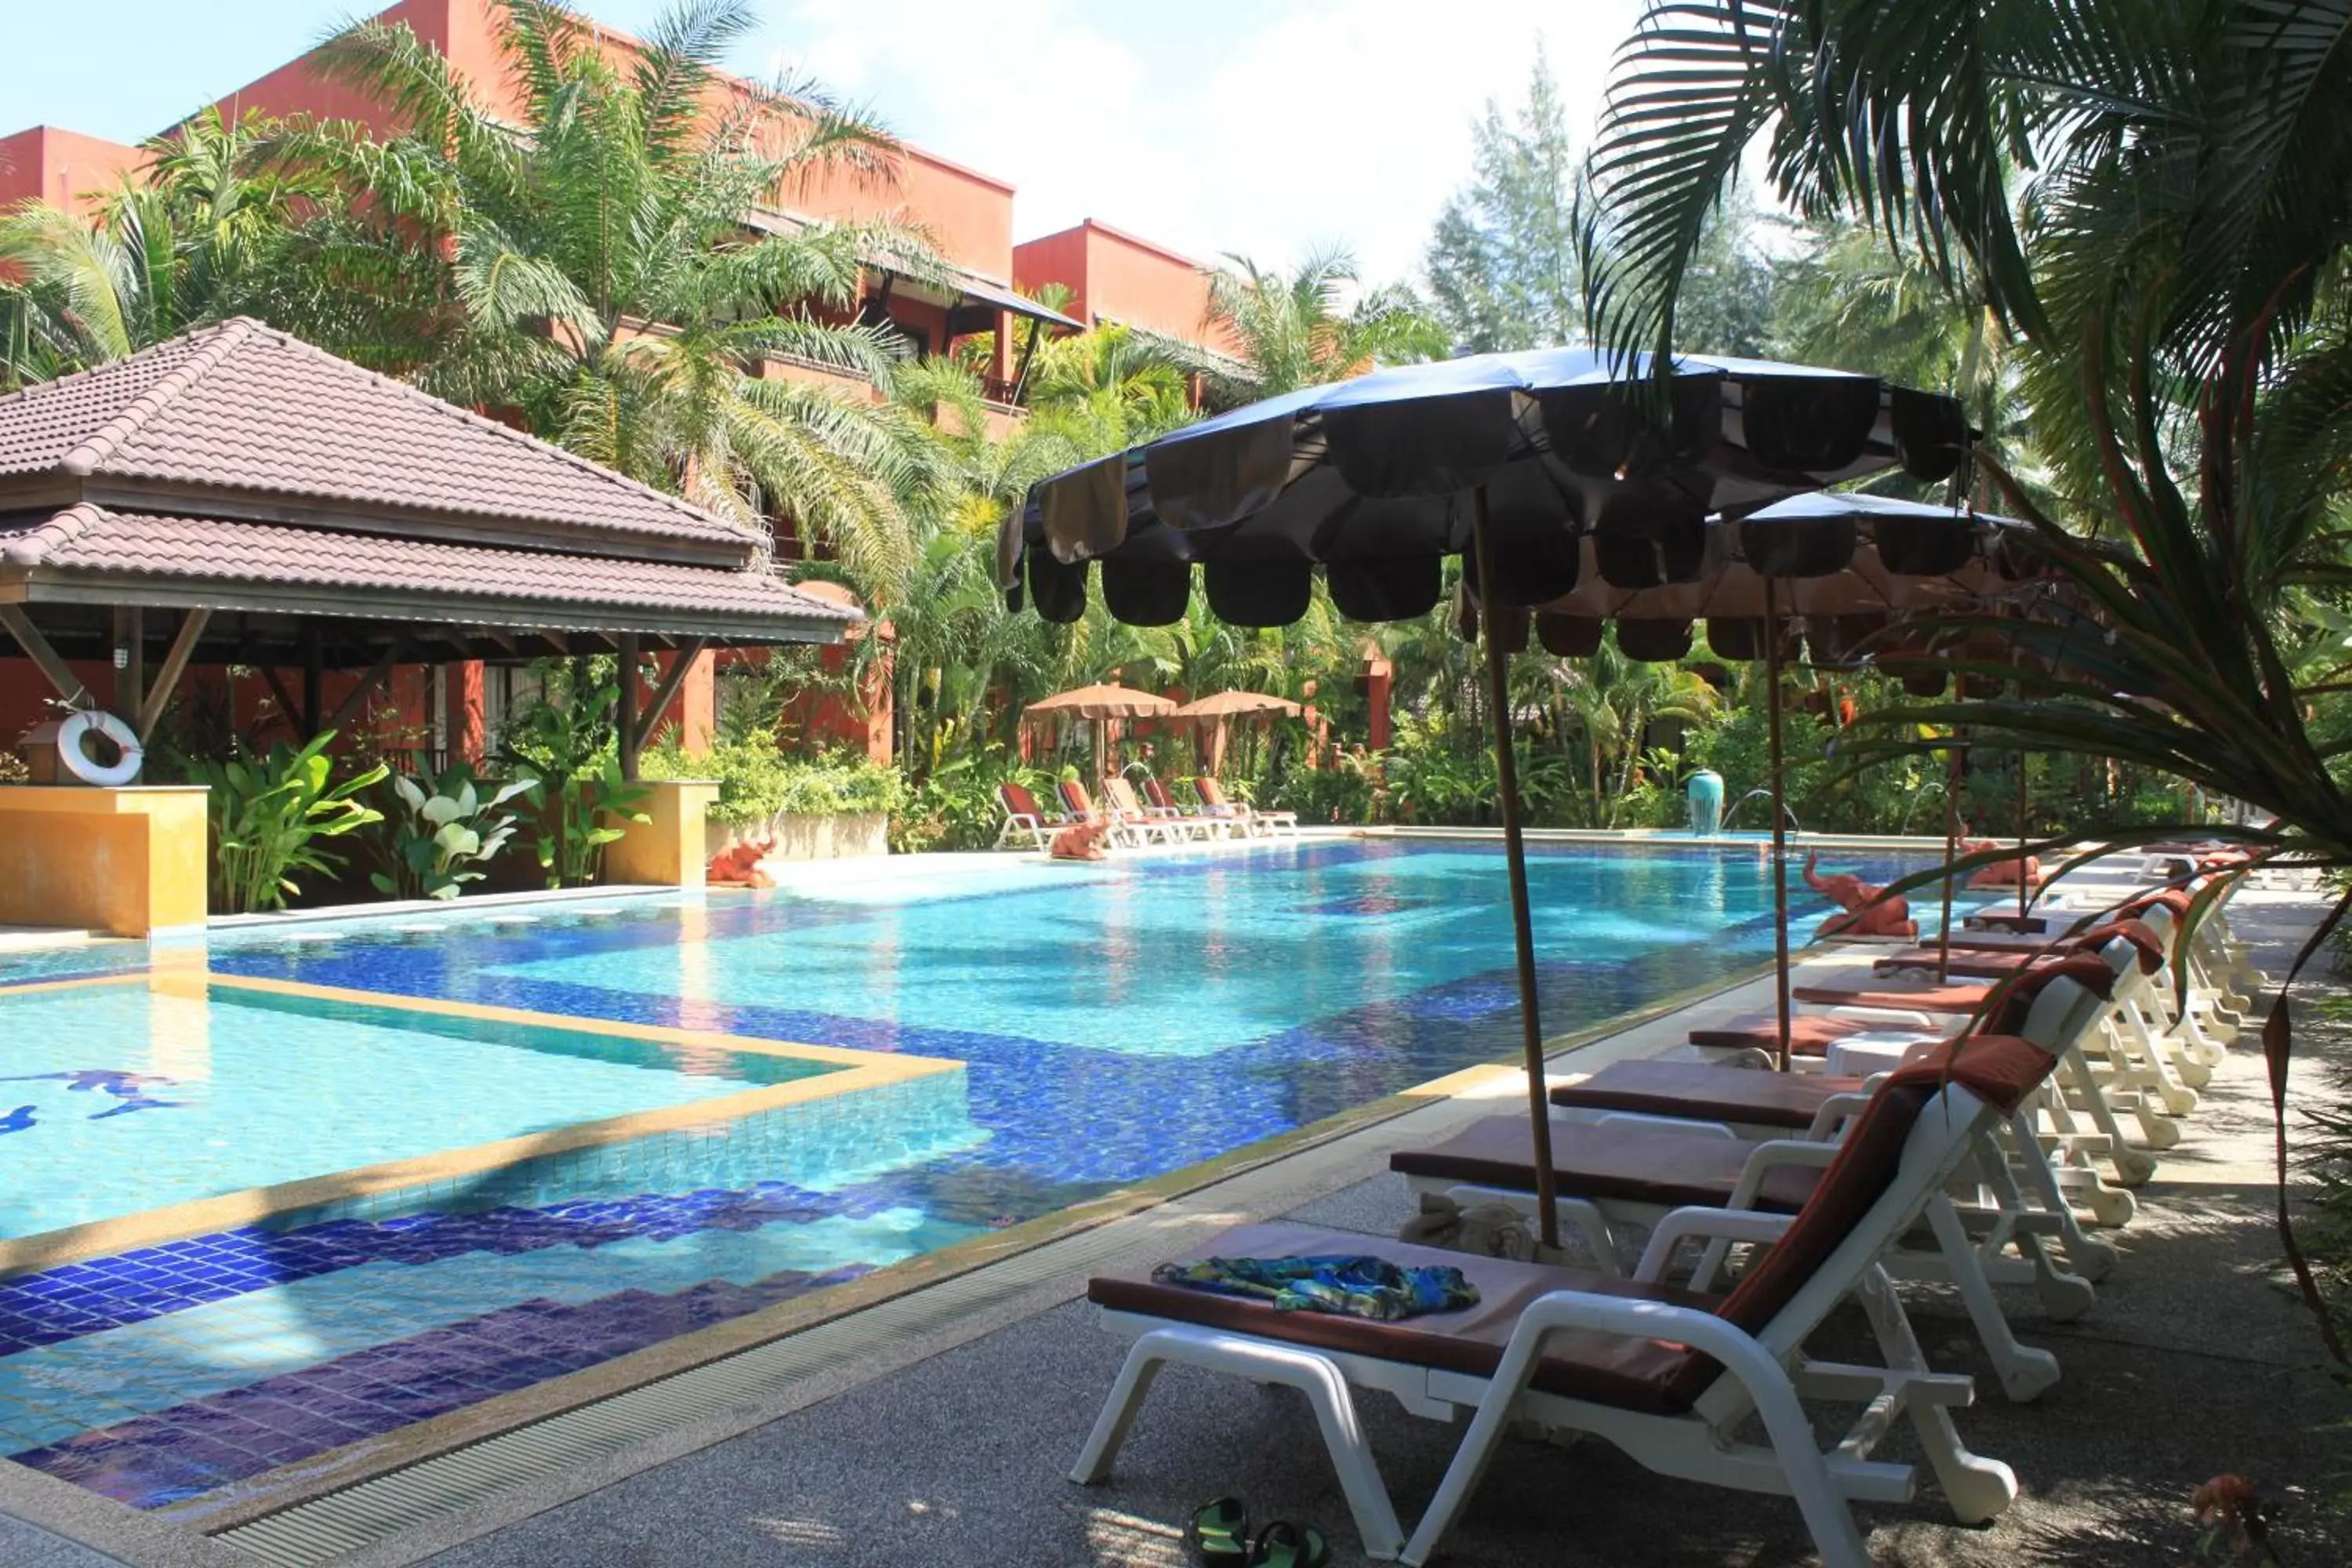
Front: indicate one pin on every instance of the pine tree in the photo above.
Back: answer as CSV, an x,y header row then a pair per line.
x,y
1502,263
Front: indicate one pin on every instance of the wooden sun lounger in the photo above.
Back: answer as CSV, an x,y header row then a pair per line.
x,y
1676,1379
1631,1167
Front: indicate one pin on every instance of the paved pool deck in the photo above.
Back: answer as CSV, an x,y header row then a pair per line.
x,y
950,1446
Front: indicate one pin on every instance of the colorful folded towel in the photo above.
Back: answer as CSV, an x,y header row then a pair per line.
x,y
1345,1286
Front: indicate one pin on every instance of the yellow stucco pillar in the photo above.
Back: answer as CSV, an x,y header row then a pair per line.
x,y
127,862
666,851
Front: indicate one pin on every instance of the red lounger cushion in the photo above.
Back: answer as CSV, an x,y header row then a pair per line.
x,y
1698,1092
1926,999
1993,965
2017,995
1631,1164
1608,1369
1809,1033
1965,964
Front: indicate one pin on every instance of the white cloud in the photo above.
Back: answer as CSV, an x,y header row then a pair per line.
x,y
1231,127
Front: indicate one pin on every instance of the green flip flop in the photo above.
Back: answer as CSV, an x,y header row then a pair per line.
x,y
1219,1533
1283,1544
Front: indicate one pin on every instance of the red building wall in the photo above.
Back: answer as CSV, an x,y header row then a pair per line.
x,y
1120,277
62,166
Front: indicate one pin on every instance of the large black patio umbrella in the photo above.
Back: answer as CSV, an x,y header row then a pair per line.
x,y
1837,567
1524,463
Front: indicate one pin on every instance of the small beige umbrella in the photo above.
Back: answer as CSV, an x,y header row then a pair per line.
x,y
1212,712
1097,704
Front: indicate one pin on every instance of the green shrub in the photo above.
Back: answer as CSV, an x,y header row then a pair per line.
x,y
750,772
956,806
1345,793
841,784
757,781
267,816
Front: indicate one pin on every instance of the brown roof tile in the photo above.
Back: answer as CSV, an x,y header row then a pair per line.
x,y
445,581
242,407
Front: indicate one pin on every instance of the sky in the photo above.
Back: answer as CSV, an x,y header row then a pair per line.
x,y
1262,128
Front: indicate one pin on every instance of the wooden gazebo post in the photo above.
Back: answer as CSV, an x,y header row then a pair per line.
x,y
624,705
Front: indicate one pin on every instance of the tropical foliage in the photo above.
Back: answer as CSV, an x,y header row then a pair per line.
x,y
606,259
475,252
565,746
1297,329
759,782
270,817
2151,196
443,832
198,236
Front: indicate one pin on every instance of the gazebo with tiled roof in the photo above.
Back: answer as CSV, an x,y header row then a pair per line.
x,y
239,496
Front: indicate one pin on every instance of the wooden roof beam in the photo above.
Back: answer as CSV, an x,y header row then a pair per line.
x,y
167,679
37,647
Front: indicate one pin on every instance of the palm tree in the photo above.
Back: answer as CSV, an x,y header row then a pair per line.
x,y
1113,375
1298,331
958,661
194,239
1610,702
2155,195
602,270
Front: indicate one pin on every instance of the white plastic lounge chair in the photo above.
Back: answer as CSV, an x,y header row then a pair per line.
x,y
1135,832
1254,822
1173,828
1628,1170
1671,1377
1758,1105
1024,818
1219,825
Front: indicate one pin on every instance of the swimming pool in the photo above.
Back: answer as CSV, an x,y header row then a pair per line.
x,y
1114,1023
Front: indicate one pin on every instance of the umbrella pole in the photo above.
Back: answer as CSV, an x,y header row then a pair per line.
x,y
2024,838
1779,823
1951,847
1498,689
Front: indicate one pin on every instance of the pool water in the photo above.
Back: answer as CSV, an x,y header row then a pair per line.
x,y
119,1099
1117,1021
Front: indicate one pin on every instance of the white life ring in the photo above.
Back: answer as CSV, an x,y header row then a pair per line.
x,y
78,762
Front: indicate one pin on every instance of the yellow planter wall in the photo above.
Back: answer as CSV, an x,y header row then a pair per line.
x,y
667,851
127,862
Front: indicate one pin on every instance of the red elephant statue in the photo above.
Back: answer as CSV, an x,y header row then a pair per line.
x,y
1081,841
1862,915
738,866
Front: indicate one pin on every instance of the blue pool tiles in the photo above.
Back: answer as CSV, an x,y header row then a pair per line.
x,y
210,1361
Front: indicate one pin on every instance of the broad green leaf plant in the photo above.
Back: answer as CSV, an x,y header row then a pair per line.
x,y
446,833
270,816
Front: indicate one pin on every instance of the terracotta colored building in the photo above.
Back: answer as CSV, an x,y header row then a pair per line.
x,y
967,216
1116,277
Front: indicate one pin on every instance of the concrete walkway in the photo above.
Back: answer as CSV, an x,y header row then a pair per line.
x,y
952,1451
